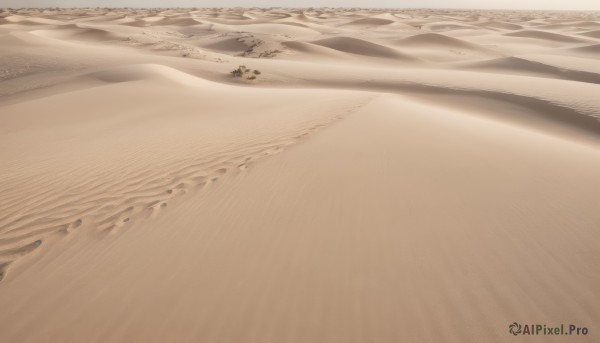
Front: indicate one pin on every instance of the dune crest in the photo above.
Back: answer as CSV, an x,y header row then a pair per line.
x,y
546,35
361,47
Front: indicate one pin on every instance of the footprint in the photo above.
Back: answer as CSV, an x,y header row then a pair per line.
x,y
182,188
274,150
110,223
116,216
109,229
199,179
65,228
20,251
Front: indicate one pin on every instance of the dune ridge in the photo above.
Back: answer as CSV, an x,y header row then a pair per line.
x,y
361,47
593,34
545,35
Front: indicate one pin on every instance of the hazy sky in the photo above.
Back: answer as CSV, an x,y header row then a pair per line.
x,y
488,4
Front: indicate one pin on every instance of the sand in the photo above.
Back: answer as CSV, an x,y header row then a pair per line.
x,y
389,176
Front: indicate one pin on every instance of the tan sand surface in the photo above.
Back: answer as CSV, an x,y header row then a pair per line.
x,y
389,176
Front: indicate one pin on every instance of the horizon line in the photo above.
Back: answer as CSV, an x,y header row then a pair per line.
x,y
307,7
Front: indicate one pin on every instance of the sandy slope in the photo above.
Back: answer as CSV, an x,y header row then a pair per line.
x,y
419,176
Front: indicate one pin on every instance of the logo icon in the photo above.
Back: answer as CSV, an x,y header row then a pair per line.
x,y
514,328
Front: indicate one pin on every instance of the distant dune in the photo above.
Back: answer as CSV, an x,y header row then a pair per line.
x,y
370,22
593,34
546,35
361,47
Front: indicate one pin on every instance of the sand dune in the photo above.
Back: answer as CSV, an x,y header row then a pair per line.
x,y
314,50
592,50
546,35
376,176
370,22
437,41
500,25
176,22
447,26
132,22
587,24
361,47
440,48
522,66
79,33
278,28
228,44
593,34
572,62
147,72
31,20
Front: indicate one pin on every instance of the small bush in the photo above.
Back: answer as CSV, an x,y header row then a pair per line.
x,y
241,70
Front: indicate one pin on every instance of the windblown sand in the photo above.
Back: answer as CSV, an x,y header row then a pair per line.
x,y
389,176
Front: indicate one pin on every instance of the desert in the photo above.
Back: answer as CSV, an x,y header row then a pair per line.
x,y
368,175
